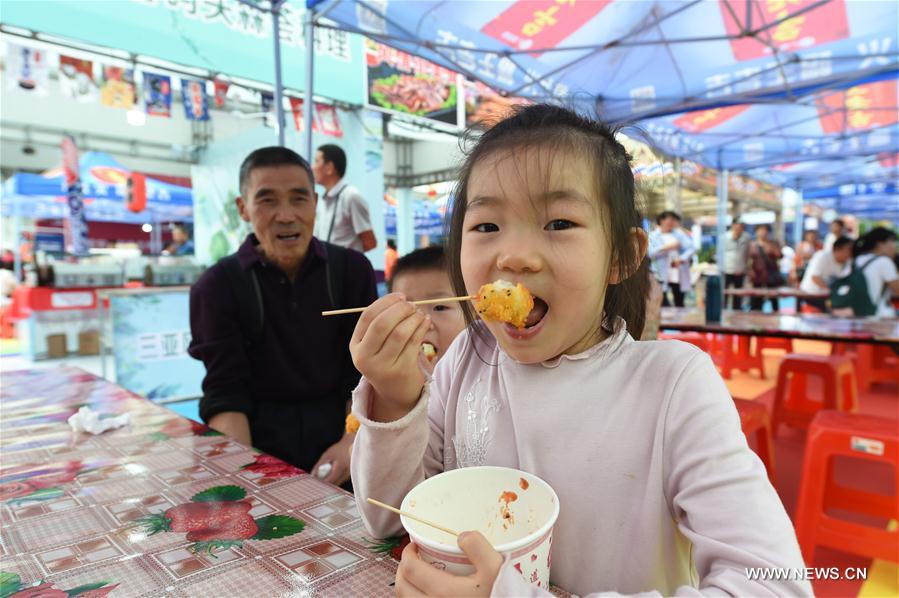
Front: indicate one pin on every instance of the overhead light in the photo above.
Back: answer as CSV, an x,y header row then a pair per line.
x,y
147,228
136,117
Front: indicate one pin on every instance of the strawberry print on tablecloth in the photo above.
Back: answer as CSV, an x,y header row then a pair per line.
x,y
11,586
218,519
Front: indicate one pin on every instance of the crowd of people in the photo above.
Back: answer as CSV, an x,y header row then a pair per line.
x,y
823,272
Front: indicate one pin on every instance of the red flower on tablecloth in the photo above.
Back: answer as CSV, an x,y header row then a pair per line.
x,y
179,426
272,467
219,518
15,490
11,586
45,590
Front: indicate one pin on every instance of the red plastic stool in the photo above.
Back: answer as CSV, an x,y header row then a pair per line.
x,y
740,359
694,338
754,420
873,363
774,342
792,405
859,436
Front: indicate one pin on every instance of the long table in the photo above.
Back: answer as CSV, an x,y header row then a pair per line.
x,y
803,326
110,511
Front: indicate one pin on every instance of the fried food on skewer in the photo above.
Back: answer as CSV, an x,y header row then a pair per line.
x,y
505,302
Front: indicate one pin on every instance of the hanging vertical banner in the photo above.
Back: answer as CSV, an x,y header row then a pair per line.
x,y
118,89
76,79
77,222
296,108
267,103
221,92
193,95
328,120
26,69
158,95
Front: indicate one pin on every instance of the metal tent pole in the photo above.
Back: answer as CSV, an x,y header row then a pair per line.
x,y
721,231
279,86
308,106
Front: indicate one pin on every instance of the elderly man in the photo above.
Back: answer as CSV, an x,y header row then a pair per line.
x,y
736,258
278,374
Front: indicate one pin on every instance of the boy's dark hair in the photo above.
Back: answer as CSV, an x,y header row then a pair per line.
x,y
391,243
271,156
542,125
667,214
335,155
763,225
869,241
842,242
426,258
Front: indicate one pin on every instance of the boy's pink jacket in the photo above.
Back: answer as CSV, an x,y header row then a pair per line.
x,y
659,491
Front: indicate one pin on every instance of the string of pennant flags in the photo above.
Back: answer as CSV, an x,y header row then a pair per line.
x,y
28,69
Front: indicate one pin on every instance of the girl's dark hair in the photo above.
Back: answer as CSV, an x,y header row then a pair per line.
x,y
869,241
546,125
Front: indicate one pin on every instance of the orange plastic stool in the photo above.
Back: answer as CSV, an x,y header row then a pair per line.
x,y
774,342
873,363
694,338
754,420
742,358
792,405
833,433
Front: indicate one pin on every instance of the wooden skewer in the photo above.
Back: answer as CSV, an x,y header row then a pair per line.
x,y
411,516
355,310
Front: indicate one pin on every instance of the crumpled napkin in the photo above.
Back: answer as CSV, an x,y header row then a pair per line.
x,y
88,420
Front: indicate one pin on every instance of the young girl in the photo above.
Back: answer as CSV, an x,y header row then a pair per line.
x,y
640,440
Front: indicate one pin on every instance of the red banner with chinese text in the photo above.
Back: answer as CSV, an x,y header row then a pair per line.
x,y
703,120
541,23
867,106
820,25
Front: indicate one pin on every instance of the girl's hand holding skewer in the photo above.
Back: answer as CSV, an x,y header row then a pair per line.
x,y
386,349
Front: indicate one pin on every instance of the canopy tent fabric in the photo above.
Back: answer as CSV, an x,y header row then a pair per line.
x,y
103,183
745,85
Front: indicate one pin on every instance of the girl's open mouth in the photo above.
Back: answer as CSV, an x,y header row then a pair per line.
x,y
533,324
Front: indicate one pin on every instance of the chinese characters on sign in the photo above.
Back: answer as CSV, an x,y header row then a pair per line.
x,y
154,346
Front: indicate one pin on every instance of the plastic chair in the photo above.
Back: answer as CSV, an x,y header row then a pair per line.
x,y
694,338
741,358
832,433
873,363
794,407
755,421
774,342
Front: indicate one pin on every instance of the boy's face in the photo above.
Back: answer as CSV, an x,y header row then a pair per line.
x,y
447,320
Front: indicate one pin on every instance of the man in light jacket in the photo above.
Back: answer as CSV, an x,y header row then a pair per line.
x,y
671,252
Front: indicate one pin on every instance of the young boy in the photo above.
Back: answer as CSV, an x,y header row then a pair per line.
x,y
422,275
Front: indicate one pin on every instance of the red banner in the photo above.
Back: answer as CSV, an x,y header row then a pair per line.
x,y
820,25
859,108
221,92
703,120
541,23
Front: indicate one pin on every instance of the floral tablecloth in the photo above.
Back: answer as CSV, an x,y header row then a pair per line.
x,y
162,507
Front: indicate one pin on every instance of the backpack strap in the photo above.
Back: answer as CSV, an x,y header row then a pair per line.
x,y
245,287
335,272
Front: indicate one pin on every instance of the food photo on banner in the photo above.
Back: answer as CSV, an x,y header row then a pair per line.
x,y
76,79
400,82
118,88
193,96
484,107
158,95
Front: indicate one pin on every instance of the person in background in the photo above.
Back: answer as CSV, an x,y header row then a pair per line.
x,y
787,265
837,229
764,270
671,252
181,242
422,275
825,266
281,384
342,214
875,252
736,257
390,257
805,250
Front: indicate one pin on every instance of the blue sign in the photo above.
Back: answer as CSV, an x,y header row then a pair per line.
x,y
150,336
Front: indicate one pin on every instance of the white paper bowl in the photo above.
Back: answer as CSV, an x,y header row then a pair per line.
x,y
474,499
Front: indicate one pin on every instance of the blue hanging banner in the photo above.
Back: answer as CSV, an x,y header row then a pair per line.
x,y
193,95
